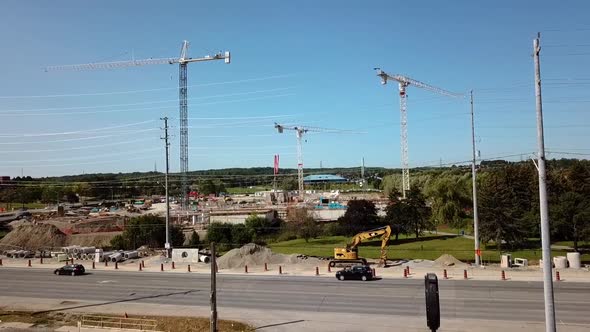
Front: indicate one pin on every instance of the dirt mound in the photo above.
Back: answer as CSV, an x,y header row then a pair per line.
x,y
92,239
448,260
252,254
34,237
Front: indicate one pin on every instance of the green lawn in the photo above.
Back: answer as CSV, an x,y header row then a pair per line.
x,y
581,244
427,247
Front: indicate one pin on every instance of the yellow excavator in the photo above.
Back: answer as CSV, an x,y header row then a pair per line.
x,y
349,255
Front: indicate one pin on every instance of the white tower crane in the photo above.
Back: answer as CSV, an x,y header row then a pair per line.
x,y
404,82
183,61
299,131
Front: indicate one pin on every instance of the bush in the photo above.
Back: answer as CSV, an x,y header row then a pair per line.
x,y
240,235
219,233
286,236
118,242
332,229
147,230
194,240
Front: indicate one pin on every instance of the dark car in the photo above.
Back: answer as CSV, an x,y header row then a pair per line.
x,y
71,269
23,214
358,272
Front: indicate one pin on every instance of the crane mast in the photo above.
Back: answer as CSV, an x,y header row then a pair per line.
x,y
183,62
300,187
299,131
404,82
404,138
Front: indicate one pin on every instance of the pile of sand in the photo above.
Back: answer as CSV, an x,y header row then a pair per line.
x,y
252,255
34,237
415,263
92,239
448,260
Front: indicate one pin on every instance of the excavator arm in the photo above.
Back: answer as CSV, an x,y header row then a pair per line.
x,y
360,237
384,232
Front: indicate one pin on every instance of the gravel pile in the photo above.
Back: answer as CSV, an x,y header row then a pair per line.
x,y
252,255
417,263
448,260
35,237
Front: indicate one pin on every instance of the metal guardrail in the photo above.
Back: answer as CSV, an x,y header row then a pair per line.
x,y
110,322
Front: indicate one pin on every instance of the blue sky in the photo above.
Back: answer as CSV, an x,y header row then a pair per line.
x,y
299,62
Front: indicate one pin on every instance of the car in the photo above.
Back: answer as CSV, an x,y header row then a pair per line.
x,y
357,272
71,269
23,214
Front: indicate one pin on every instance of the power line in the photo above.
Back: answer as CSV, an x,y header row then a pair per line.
x,y
76,139
77,132
150,90
148,102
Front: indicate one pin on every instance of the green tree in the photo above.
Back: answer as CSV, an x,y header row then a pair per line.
x,y
209,186
360,215
302,224
308,229
194,240
569,199
261,226
502,208
416,213
395,215
289,183
219,233
240,234
573,217
147,230
50,194
450,199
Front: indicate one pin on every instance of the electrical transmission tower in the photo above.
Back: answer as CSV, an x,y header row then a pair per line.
x,y
404,82
299,131
183,61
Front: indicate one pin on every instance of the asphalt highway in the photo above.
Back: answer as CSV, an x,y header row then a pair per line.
x,y
469,299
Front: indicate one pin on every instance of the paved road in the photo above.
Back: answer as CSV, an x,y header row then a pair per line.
x,y
491,300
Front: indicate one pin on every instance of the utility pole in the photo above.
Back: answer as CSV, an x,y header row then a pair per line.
x,y
544,210
474,179
167,145
275,172
213,319
363,172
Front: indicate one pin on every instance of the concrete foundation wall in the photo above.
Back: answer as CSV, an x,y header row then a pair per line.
x,y
237,218
186,255
327,214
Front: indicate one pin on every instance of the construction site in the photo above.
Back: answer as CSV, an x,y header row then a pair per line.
x,y
300,166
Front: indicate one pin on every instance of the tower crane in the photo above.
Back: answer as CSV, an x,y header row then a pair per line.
x,y
299,131
404,82
183,60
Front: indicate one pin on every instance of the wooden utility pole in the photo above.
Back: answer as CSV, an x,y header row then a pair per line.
x,y
213,289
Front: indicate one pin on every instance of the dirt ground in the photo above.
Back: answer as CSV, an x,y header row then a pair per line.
x,y
57,319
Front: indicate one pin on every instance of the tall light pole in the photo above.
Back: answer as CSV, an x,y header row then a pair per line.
x,y
544,210
167,144
474,180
